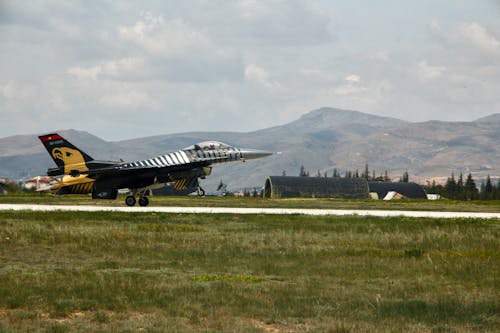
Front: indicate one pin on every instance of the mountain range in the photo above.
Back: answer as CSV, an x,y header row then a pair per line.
x,y
320,140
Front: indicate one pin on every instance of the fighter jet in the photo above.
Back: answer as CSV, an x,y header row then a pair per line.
x,y
78,173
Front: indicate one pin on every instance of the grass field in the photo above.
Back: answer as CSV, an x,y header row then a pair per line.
x,y
150,272
438,205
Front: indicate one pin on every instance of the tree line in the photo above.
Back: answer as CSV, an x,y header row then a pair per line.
x,y
366,174
458,189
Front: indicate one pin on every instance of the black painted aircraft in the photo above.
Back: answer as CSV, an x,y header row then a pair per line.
x,y
78,173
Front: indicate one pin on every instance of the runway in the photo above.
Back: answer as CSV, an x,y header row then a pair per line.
x,y
237,210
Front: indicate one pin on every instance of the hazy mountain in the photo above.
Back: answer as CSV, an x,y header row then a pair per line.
x,y
322,139
493,118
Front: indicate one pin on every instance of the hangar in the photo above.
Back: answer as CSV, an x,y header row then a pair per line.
x,y
315,187
346,188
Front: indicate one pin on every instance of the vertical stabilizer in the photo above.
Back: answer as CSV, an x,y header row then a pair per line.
x,y
65,155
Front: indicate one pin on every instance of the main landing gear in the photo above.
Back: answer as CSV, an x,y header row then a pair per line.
x,y
200,192
130,201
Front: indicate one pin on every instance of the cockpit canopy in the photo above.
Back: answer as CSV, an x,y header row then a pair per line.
x,y
208,145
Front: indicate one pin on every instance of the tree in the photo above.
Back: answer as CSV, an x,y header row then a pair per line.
x,y
335,173
366,173
405,178
471,192
433,186
487,191
302,172
386,176
497,190
460,192
283,173
450,187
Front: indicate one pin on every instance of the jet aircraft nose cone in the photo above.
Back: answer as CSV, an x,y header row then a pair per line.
x,y
249,154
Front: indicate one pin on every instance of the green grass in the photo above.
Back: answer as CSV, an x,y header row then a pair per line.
x,y
438,205
92,272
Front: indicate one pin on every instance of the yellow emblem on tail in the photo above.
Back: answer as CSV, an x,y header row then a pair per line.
x,y
71,158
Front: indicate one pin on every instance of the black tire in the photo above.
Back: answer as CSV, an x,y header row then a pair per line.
x,y
130,200
144,201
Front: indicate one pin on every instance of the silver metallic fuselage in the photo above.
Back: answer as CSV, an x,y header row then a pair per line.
x,y
199,155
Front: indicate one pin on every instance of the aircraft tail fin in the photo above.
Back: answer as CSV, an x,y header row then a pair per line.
x,y
67,157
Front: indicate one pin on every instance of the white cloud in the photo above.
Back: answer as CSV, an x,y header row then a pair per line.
x,y
119,68
467,38
352,86
348,89
288,22
58,103
353,78
318,75
381,56
127,100
82,73
427,72
259,75
435,27
8,90
175,50
156,35
480,38
18,95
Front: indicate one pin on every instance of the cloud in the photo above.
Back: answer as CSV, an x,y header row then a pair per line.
x,y
480,38
353,78
117,69
427,72
259,75
352,86
8,90
127,100
177,51
290,22
155,35
18,96
468,38
381,56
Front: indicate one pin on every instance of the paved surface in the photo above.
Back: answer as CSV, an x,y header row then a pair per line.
x,y
235,210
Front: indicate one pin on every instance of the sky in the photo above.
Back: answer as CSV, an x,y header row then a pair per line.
x,y
127,69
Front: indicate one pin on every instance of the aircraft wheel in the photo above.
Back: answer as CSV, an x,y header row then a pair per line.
x,y
130,200
200,192
144,201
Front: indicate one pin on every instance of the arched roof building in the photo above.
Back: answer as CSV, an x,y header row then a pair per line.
x,y
315,187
